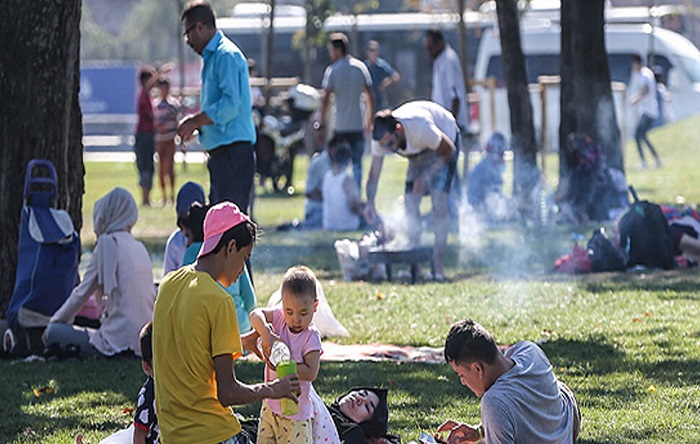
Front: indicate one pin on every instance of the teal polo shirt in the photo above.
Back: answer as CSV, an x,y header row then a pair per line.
x,y
225,96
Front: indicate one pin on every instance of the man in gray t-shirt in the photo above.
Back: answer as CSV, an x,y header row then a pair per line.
x,y
521,399
347,78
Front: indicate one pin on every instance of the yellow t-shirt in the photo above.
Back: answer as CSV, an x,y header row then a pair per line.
x,y
194,320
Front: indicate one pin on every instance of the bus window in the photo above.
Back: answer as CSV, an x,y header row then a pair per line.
x,y
541,65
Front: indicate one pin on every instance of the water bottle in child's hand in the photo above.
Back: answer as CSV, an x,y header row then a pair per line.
x,y
281,359
285,368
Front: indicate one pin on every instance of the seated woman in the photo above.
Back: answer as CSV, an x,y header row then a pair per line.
x,y
120,273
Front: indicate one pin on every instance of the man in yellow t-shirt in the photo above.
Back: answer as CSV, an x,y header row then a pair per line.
x,y
196,339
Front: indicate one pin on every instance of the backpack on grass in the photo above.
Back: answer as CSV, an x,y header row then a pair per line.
x,y
604,255
645,234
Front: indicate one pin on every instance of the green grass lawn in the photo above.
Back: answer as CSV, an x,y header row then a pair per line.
x,y
627,344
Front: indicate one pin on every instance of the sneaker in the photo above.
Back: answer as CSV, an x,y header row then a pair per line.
x,y
440,278
659,163
8,341
643,165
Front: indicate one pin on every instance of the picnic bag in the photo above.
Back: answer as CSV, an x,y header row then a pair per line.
x,y
604,255
48,248
645,235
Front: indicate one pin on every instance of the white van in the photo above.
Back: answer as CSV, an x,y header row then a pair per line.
x,y
679,58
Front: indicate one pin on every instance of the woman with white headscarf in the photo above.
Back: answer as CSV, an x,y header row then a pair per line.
x,y
120,275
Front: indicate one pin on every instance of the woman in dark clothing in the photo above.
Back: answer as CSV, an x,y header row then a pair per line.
x,y
361,416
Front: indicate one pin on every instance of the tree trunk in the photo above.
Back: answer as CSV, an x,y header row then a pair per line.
x,y
523,142
40,118
586,98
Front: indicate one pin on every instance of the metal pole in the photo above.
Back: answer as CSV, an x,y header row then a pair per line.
x,y
269,52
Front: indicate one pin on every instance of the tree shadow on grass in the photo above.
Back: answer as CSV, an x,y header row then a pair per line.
x,y
673,284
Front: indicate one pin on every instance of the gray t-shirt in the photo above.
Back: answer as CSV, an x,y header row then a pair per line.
x,y
527,404
347,78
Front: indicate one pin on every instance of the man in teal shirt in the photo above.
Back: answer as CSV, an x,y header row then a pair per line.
x,y
225,122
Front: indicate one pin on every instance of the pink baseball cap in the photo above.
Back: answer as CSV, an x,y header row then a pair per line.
x,y
219,219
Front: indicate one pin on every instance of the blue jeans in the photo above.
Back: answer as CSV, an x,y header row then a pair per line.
x,y
144,147
231,171
640,135
356,140
65,334
241,438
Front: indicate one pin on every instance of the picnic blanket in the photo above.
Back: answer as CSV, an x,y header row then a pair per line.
x,y
333,351
381,352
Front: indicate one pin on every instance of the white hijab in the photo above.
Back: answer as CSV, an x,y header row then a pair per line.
x,y
114,212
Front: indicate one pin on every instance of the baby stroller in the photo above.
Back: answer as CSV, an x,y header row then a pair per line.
x,y
47,261
280,139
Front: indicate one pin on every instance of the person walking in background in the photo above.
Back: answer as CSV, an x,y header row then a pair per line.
x,y
166,119
144,141
448,87
225,122
346,78
382,73
645,97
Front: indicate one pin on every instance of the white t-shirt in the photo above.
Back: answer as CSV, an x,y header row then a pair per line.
x,y
526,404
648,104
337,214
423,124
448,84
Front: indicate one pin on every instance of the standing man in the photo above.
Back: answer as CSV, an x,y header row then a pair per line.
x,y
196,339
425,133
448,78
521,399
225,122
648,108
448,89
382,73
347,77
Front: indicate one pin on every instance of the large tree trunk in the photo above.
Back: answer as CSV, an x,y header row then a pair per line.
x,y
40,118
586,98
522,128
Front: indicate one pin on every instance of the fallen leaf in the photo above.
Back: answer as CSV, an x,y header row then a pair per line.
x,y
648,314
48,390
127,410
637,320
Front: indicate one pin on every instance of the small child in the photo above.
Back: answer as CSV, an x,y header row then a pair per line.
x,y
145,420
342,204
144,429
291,324
166,115
242,290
